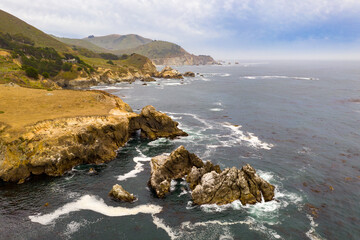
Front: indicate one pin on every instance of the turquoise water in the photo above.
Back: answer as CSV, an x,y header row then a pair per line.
x,y
295,122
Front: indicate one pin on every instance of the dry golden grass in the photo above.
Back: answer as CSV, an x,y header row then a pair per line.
x,y
25,106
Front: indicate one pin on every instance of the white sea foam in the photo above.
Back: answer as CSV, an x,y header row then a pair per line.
x,y
74,226
212,228
159,142
247,137
159,223
219,74
139,167
93,203
216,109
194,116
281,77
312,234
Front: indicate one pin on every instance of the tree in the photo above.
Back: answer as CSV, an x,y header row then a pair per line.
x,y
45,75
32,72
66,67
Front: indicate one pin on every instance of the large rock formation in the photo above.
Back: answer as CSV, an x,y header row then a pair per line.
x,y
166,168
154,124
230,185
55,146
168,72
208,183
121,194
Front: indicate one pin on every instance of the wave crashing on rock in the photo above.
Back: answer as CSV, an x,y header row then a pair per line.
x,y
208,183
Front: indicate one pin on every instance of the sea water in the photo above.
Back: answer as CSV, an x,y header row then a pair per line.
x,y
296,123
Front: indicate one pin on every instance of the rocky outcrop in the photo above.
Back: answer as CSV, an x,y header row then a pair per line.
x,y
118,192
230,185
53,147
168,72
166,168
154,124
208,183
189,74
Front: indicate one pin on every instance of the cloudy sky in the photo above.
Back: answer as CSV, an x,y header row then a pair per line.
x,y
238,29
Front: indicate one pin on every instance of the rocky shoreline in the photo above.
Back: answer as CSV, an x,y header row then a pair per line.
x,y
55,146
110,77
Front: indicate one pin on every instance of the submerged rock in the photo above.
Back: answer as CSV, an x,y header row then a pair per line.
x,y
208,183
121,194
189,74
168,72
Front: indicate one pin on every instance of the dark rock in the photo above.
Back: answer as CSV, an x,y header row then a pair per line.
x,y
166,168
189,74
154,124
168,72
209,184
119,193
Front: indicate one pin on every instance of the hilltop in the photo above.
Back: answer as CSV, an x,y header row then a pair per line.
x,y
118,42
82,44
31,58
160,52
13,25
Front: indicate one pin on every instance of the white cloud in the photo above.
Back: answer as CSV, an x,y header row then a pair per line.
x,y
187,22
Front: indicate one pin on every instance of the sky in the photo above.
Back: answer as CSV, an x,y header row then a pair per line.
x,y
225,29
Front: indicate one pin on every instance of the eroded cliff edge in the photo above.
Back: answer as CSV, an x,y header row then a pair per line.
x,y
49,133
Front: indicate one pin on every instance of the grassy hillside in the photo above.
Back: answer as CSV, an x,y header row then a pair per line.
x,y
13,25
157,49
118,42
83,44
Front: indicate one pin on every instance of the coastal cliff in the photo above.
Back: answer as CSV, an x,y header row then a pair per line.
x,y
185,59
51,132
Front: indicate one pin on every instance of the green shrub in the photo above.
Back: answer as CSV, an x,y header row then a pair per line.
x,y
66,67
45,75
32,72
79,68
1,112
110,62
124,56
109,56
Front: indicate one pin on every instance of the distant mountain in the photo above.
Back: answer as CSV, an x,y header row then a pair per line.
x,y
31,58
118,42
160,52
82,43
167,53
13,25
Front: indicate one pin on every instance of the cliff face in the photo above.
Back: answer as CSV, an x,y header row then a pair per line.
x,y
55,146
186,59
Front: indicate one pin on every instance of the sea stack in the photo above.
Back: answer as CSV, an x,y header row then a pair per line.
x,y
208,183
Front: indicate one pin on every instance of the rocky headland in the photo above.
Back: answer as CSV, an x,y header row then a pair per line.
x,y
208,183
50,132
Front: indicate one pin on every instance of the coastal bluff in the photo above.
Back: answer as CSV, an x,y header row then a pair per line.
x,y
50,132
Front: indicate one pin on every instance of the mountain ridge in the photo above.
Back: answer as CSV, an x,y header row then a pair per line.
x,y
160,52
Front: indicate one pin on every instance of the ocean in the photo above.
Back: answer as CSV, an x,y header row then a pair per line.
x,y
296,122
